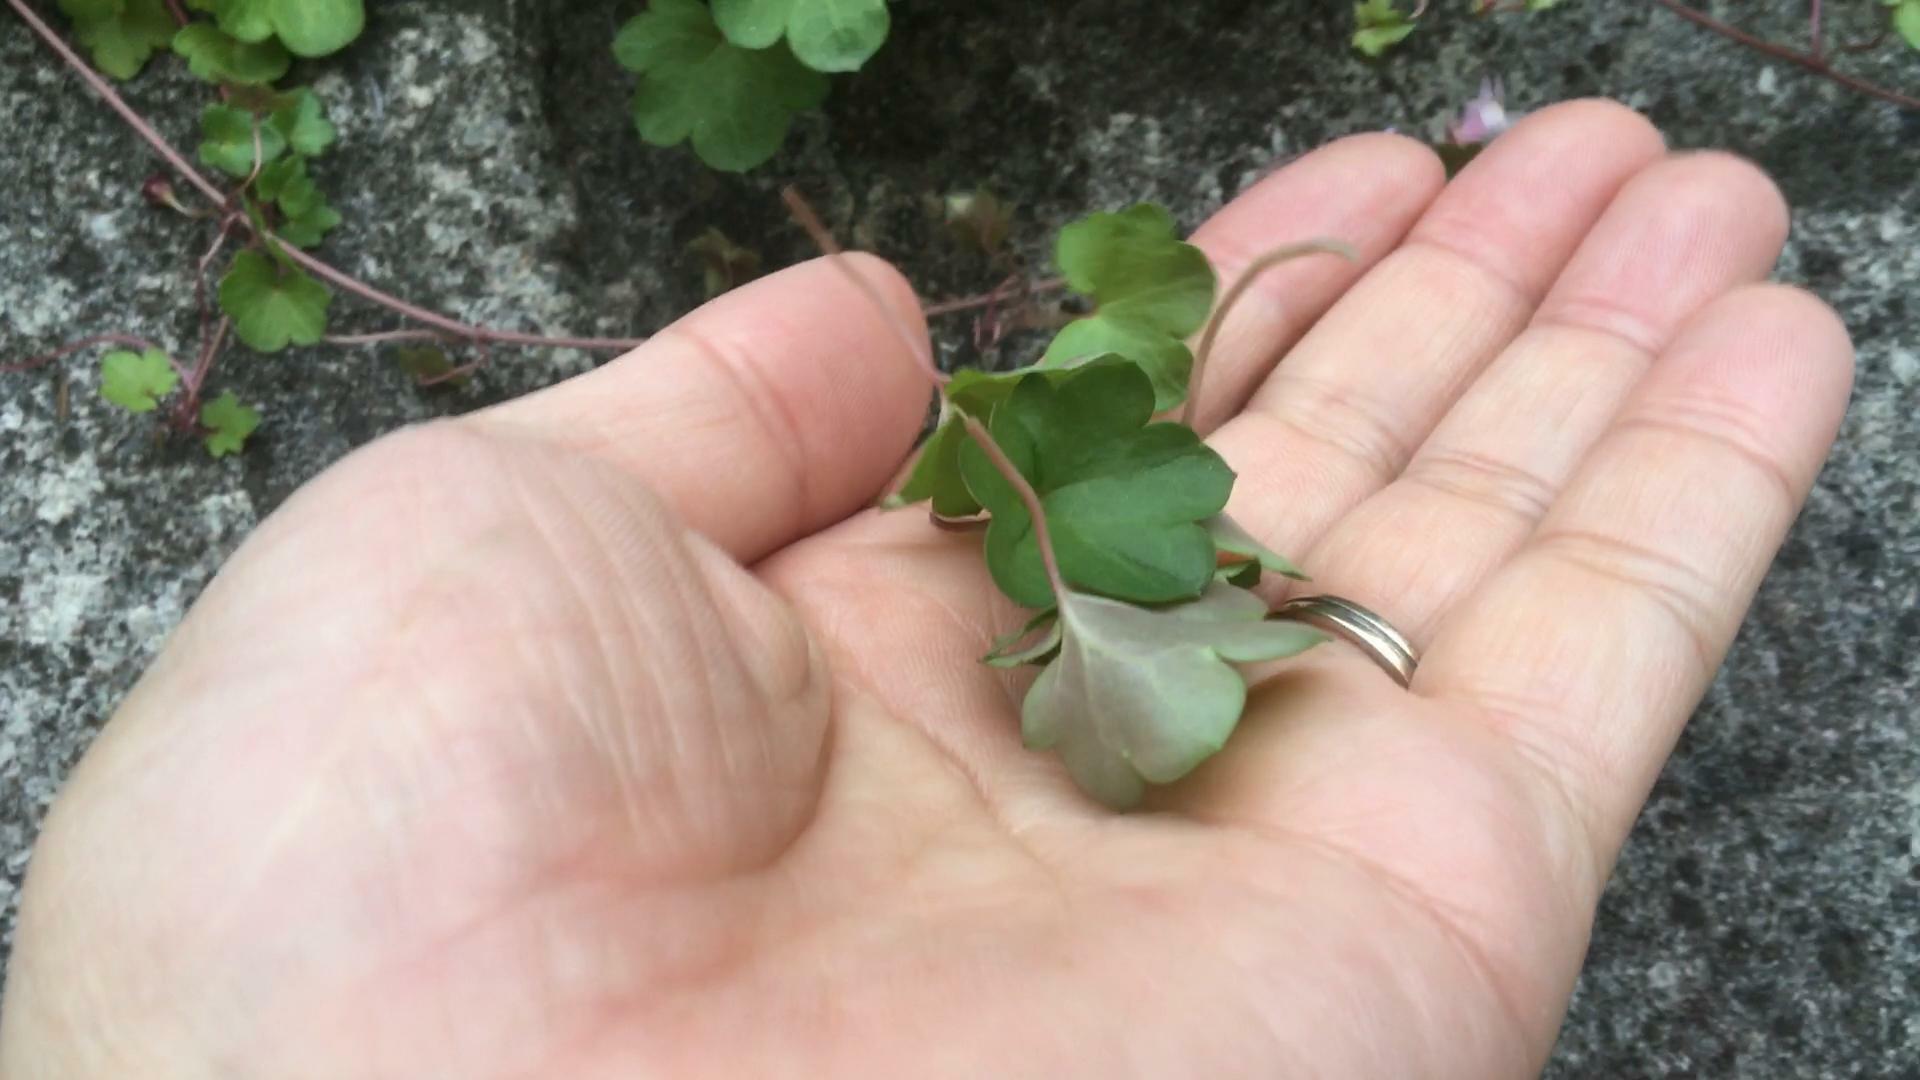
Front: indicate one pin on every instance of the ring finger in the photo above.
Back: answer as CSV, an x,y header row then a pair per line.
x,y
1678,235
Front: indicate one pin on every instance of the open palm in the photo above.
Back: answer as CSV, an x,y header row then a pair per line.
x,y
605,734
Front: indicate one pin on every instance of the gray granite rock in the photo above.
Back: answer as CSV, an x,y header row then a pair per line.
x,y
1765,919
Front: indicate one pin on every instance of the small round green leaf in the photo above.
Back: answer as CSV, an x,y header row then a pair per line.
x,y
837,35
273,305
227,424
735,105
136,381
317,27
752,24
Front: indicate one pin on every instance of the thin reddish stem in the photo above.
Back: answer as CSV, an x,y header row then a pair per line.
x,y
42,360
115,101
1028,497
387,337
1818,40
337,278
1808,61
810,221
212,349
991,297
1239,289
916,344
200,271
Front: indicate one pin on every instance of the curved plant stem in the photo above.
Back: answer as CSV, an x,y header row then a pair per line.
x,y
1234,292
1030,498
916,345
205,363
923,355
42,360
337,278
1813,62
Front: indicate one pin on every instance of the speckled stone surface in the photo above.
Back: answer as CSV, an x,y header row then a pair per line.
x,y
1765,918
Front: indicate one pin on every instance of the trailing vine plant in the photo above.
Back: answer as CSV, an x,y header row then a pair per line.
x,y
261,139
1100,508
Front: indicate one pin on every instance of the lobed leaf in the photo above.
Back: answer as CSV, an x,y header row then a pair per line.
x,y
120,34
735,105
1142,695
218,57
228,424
1125,499
305,217
227,141
316,27
1151,290
302,120
837,35
273,305
826,35
936,472
136,381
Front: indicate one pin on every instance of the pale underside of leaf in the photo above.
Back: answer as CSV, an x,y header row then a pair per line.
x,y
1142,695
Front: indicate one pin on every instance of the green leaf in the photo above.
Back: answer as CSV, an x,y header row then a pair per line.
x,y
136,381
92,10
1906,21
317,27
304,213
1142,695
837,35
1152,292
1234,544
1125,500
273,305
734,104
228,424
228,140
1378,26
277,177
936,472
752,24
120,34
218,57
1006,652
302,121
826,35
310,228
248,20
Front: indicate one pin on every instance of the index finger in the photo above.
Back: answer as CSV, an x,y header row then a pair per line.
x,y
763,416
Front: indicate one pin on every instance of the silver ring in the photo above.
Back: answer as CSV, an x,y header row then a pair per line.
x,y
1388,647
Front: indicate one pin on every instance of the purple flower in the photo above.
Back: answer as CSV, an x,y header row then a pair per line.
x,y
1483,117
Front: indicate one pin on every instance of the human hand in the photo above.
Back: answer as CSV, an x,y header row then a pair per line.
x,y
604,734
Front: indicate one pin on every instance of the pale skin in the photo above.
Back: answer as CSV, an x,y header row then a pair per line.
x,y
608,733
